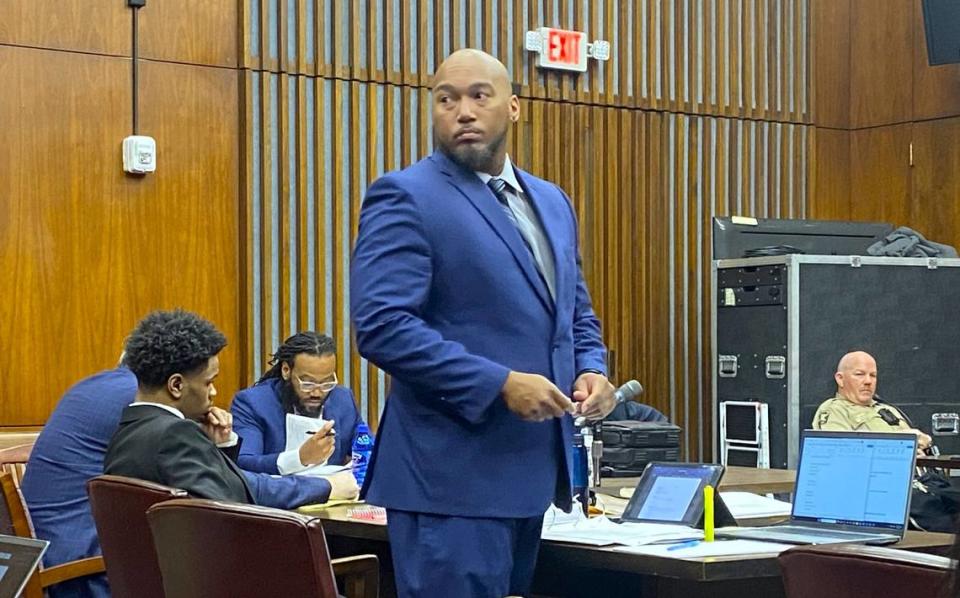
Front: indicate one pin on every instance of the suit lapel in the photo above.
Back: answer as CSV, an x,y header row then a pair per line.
x,y
482,199
541,207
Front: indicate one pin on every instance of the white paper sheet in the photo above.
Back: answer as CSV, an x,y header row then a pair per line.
x,y
744,505
322,470
298,427
706,549
600,531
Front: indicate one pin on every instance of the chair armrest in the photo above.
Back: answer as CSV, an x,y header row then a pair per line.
x,y
361,575
71,570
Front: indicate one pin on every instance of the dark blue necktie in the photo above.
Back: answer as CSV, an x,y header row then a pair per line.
x,y
499,188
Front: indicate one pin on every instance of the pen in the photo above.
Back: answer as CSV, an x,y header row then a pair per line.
x,y
330,433
687,544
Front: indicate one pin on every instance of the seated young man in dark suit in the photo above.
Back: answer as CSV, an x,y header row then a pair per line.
x,y
170,434
302,381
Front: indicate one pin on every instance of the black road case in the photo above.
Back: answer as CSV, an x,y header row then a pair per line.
x,y
782,323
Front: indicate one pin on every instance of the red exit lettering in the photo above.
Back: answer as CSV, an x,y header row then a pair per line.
x,y
563,46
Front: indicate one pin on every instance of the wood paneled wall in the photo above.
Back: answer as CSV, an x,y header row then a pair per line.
x,y
886,140
86,250
274,115
703,110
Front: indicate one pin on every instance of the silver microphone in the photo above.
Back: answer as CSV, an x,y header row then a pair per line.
x,y
630,390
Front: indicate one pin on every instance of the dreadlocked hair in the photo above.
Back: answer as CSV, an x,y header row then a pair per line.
x,y
309,343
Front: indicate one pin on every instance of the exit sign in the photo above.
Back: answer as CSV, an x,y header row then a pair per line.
x,y
563,49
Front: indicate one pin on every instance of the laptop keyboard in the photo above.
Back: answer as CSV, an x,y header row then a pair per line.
x,y
807,535
819,533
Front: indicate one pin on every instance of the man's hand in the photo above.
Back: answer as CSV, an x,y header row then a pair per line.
x,y
218,425
534,398
593,395
343,486
319,446
923,440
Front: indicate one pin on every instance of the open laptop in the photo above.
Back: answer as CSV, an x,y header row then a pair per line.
x,y
19,557
851,487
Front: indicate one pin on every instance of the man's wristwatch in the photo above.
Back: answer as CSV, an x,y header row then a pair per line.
x,y
590,371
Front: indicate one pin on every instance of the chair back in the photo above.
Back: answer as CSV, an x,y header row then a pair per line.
x,y
211,549
119,506
13,459
14,519
854,570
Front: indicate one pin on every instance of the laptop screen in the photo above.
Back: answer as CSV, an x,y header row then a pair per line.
x,y
18,558
855,478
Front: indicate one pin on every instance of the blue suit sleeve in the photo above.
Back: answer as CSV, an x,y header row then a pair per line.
x,y
248,426
389,284
589,351
287,492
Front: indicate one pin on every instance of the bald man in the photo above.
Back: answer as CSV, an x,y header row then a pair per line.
x,y
855,406
466,287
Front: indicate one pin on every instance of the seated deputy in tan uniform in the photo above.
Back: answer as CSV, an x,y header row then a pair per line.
x,y
855,406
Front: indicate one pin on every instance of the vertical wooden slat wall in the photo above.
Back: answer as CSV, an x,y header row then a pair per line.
x,y
702,110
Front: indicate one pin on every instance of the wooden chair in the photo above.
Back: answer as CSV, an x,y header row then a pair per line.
x,y
13,460
9,439
210,549
15,520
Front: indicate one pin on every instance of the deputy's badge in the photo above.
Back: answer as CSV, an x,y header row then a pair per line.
x,y
824,416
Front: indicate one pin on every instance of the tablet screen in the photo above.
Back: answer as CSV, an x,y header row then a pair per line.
x,y
672,492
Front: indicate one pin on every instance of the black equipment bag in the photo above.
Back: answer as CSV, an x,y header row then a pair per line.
x,y
629,445
935,503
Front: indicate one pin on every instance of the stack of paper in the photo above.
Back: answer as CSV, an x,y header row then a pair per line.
x,y
746,505
707,549
600,531
322,470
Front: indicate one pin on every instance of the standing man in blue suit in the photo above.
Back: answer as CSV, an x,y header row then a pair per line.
x,y
301,381
466,288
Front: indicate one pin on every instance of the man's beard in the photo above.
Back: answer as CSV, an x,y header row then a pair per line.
x,y
292,404
477,157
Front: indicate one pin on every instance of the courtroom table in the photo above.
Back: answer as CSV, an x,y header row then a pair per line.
x,y
940,461
577,570
735,479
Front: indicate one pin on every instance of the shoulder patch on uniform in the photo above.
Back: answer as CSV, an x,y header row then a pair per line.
x,y
824,416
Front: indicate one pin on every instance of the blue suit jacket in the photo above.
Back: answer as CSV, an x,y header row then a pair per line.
x,y
70,451
259,418
446,299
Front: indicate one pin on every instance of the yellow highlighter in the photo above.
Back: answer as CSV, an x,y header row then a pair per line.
x,y
708,513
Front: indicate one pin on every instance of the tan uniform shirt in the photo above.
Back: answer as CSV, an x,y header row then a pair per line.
x,y
839,414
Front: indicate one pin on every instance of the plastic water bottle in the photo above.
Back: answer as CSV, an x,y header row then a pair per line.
x,y
581,492
362,449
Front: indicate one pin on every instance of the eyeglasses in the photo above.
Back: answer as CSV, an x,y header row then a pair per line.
x,y
309,386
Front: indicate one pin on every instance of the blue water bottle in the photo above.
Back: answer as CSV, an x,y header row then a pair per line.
x,y
362,449
581,491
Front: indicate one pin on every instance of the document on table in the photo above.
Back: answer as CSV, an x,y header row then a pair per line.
x,y
322,470
746,505
707,549
600,531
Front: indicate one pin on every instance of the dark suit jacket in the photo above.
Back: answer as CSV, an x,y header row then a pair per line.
x,y
155,445
446,299
259,419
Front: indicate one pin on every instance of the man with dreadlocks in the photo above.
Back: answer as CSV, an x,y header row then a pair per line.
x,y
301,381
